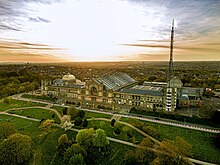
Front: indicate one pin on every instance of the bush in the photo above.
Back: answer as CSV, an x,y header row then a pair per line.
x,y
65,111
133,109
101,107
113,122
117,131
130,134
151,131
85,123
7,100
81,114
217,141
78,121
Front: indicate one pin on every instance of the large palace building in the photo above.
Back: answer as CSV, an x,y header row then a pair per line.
x,y
119,91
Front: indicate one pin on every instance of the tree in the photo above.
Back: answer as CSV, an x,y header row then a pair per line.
x,y
85,123
113,122
183,147
46,124
217,141
6,130
63,139
53,116
100,138
65,111
144,154
81,114
73,150
152,78
151,131
78,121
16,149
7,100
73,112
167,153
77,159
130,158
216,117
21,89
85,137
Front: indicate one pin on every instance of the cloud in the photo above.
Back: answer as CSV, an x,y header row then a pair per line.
x,y
182,47
18,11
39,19
14,45
8,27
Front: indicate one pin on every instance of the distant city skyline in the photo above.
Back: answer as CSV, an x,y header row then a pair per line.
x,y
108,30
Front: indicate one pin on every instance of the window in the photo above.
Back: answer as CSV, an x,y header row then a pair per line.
x,y
94,91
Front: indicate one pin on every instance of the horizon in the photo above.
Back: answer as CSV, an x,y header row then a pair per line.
x,y
101,30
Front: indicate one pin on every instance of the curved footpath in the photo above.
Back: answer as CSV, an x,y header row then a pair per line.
x,y
186,125
104,119
18,97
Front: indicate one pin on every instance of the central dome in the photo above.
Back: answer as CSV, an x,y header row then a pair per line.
x,y
68,77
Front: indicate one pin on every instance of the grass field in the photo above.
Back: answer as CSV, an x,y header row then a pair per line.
x,y
89,115
202,142
37,113
105,125
17,104
59,109
45,143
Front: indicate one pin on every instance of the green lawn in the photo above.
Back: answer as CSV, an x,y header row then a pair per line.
x,y
105,125
116,155
18,104
89,115
37,113
202,142
26,126
58,108
45,143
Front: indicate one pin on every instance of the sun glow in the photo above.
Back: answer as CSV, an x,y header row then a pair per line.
x,y
89,30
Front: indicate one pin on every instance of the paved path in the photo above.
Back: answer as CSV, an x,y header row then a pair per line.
x,y
23,117
133,127
186,125
117,140
109,138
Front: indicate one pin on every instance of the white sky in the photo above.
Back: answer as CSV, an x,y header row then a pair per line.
x,y
90,30
111,30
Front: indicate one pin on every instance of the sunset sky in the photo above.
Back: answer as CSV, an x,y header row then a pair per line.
x,y
108,30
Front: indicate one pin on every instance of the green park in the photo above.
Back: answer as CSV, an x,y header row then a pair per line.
x,y
126,139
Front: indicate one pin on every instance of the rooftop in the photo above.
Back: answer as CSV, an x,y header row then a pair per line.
x,y
145,90
115,81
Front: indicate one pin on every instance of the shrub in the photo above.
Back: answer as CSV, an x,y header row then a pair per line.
x,y
78,121
85,123
81,114
117,131
130,133
113,122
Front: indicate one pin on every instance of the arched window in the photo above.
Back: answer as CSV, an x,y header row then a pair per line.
x,y
94,91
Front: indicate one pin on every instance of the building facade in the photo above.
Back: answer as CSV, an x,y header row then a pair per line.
x,y
120,90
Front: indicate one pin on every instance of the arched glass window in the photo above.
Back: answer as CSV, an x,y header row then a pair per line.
x,y
94,91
